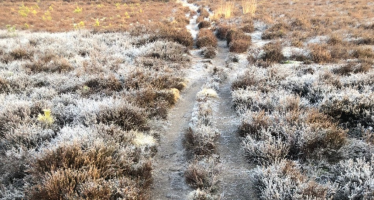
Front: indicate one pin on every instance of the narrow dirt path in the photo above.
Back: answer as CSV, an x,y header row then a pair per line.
x,y
234,175
171,161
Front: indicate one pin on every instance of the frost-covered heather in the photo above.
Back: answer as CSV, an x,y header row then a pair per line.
x,y
300,119
101,89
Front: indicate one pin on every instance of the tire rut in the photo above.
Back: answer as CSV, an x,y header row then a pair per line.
x,y
235,171
171,161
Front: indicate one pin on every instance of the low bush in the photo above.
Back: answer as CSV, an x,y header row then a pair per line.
x,y
143,79
243,82
350,110
335,40
59,65
253,125
319,142
248,27
239,45
156,103
83,172
101,85
197,176
203,12
181,36
320,53
200,19
298,24
208,52
126,116
284,180
4,86
278,30
353,181
273,52
20,53
204,24
269,147
206,38
222,31
363,53
201,140
233,35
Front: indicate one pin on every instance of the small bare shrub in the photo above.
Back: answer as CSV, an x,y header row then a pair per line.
x,y
126,116
206,38
363,53
102,85
20,53
47,64
248,27
202,175
273,52
203,12
4,86
284,180
222,31
243,82
143,79
254,125
201,140
233,35
208,52
267,148
204,24
181,36
320,53
319,142
239,45
278,30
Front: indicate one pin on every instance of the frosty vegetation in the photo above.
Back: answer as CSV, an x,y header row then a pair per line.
x,y
309,128
102,91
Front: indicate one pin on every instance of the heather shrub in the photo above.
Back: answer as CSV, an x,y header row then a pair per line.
x,y
143,79
167,51
354,178
201,175
248,27
201,140
285,180
181,36
200,195
124,115
19,54
267,149
239,46
322,142
273,52
363,53
320,53
278,30
350,109
101,85
156,103
222,31
252,123
208,52
203,24
4,86
203,12
78,168
206,38
59,65
233,35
